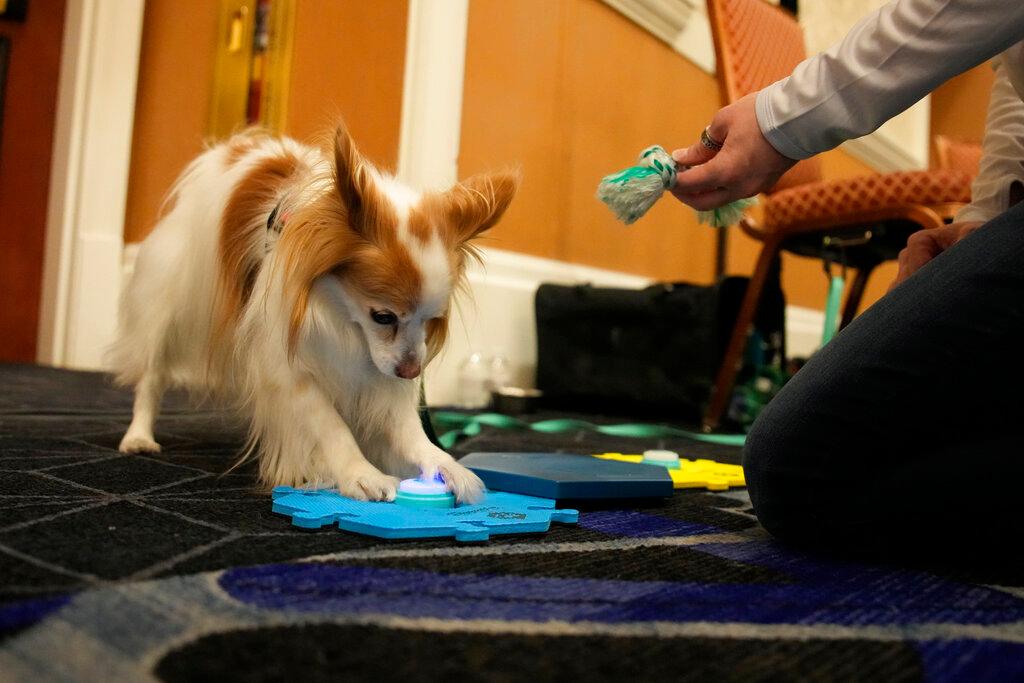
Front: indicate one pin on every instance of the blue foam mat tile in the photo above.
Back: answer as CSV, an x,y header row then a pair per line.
x,y
564,476
498,513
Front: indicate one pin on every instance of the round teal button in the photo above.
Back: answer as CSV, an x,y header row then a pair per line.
x,y
417,493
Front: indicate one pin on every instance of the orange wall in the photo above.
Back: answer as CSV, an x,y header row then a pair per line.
x,y
573,90
348,61
30,105
171,105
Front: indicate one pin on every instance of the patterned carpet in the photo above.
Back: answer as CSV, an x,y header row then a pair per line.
x,y
162,568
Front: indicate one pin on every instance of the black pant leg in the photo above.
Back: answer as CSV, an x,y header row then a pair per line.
x,y
911,416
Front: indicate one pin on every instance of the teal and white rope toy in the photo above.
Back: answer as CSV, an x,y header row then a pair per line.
x,y
630,193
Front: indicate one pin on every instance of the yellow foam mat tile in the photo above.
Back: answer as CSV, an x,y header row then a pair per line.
x,y
693,474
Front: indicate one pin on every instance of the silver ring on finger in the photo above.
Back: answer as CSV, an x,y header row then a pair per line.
x,y
708,141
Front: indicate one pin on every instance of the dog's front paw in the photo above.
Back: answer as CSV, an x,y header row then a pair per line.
x,y
138,443
466,486
366,482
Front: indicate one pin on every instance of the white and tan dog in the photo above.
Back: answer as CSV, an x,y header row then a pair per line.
x,y
310,291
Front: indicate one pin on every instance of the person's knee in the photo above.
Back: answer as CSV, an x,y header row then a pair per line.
x,y
786,470
762,455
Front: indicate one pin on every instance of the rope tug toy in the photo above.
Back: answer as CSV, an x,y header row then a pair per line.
x,y
630,193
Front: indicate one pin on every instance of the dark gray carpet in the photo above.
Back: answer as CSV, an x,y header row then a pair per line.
x,y
131,567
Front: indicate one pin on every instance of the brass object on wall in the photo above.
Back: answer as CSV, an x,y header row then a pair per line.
x,y
252,65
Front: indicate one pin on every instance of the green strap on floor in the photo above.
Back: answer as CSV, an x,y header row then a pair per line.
x,y
462,425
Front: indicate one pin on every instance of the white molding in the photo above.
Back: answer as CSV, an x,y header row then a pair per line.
x,y
899,145
882,155
431,125
683,24
803,331
89,181
694,41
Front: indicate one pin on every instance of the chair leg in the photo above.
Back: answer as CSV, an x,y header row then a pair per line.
x,y
853,299
726,377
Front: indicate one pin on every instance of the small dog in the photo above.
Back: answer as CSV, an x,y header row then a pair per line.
x,y
310,291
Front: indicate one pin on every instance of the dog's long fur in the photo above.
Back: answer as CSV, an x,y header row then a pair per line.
x,y
293,326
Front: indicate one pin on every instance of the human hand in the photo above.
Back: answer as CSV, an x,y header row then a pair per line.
x,y
924,245
745,165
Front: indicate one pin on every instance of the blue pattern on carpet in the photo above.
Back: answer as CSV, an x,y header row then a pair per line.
x,y
25,613
950,661
843,598
641,525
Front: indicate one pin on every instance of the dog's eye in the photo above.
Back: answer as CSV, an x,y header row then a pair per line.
x,y
384,317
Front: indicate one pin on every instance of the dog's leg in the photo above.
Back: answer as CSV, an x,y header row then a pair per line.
x,y
340,457
409,443
139,437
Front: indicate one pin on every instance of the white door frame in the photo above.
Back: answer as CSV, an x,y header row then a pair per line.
x,y
89,181
431,124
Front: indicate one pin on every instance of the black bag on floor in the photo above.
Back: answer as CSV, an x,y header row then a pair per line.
x,y
648,352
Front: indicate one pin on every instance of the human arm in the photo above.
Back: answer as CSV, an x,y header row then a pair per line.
x,y
999,182
1001,172
888,61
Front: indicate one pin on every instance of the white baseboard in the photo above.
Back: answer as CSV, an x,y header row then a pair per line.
x,y
803,330
496,316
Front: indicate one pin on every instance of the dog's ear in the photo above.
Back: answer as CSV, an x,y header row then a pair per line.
x,y
367,211
351,176
477,203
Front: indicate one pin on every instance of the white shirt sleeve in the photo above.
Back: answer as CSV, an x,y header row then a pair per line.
x,y
887,62
1002,158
